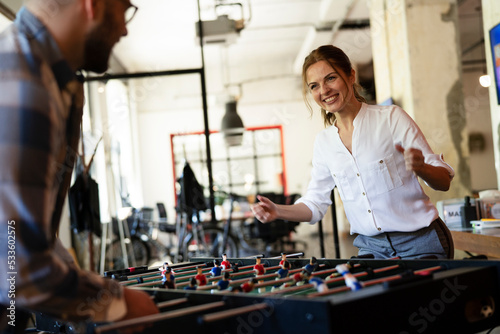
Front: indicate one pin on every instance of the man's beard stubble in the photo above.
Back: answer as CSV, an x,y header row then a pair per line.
x,y
98,45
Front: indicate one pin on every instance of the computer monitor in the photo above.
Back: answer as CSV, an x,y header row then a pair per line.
x,y
495,56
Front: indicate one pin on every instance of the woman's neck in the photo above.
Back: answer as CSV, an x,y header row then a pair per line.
x,y
345,118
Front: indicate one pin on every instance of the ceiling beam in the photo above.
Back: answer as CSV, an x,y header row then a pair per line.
x,y
7,12
315,37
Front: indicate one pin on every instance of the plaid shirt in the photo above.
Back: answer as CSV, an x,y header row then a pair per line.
x,y
41,104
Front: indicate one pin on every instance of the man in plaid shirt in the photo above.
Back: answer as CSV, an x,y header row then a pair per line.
x,y
41,100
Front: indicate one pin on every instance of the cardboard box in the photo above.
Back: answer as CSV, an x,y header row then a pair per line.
x,y
449,211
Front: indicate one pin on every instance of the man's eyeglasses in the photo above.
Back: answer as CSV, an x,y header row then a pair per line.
x,y
130,13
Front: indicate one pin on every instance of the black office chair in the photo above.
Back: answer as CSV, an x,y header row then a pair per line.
x,y
163,224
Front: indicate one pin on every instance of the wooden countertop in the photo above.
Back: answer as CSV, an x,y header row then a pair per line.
x,y
484,241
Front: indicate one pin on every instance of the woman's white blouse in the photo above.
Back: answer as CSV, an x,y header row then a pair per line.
x,y
378,193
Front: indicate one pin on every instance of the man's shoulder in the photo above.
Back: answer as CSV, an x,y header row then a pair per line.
x,y
18,57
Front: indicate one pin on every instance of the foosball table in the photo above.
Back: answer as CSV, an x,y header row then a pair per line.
x,y
312,296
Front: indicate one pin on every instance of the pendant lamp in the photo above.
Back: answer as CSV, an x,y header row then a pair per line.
x,y
232,125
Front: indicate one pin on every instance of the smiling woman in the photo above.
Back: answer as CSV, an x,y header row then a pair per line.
x,y
374,156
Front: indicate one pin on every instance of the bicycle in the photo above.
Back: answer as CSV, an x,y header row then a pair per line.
x,y
140,242
205,241
213,241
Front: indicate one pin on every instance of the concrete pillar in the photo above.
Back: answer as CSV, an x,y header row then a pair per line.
x,y
417,63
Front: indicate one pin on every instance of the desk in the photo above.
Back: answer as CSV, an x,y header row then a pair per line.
x,y
484,241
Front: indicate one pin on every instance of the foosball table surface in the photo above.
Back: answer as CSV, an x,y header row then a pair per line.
x,y
394,296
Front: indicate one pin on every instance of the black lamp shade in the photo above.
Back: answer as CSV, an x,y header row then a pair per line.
x,y
232,125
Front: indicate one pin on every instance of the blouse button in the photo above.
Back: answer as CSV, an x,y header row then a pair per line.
x,y
364,194
369,211
381,161
357,174
378,228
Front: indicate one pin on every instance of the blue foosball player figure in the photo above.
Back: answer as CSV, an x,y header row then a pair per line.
x,y
192,284
168,280
216,270
318,283
224,282
282,272
312,265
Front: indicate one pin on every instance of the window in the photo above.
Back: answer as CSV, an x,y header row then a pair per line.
x,y
257,166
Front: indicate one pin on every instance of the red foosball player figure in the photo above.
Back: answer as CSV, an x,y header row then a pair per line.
x,y
283,258
168,280
225,264
216,270
259,268
200,278
192,284
248,286
298,279
224,282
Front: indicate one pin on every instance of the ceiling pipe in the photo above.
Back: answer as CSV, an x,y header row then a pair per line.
x,y
7,12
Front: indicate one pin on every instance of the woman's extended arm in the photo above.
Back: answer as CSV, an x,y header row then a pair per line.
x,y
266,211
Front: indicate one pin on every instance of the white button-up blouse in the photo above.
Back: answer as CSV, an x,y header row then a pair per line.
x,y
378,193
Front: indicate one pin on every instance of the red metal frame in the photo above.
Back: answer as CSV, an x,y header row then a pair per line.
x,y
280,127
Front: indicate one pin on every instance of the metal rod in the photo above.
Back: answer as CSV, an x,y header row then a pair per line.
x,y
7,12
104,239
289,255
321,238
205,119
473,46
153,273
157,317
233,312
174,302
370,282
138,75
335,226
211,279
